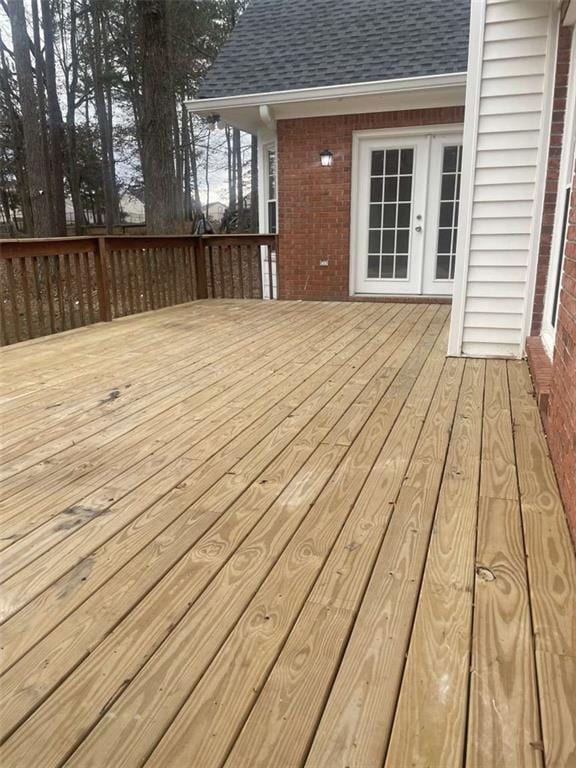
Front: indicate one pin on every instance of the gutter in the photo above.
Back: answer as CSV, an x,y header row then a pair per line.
x,y
328,92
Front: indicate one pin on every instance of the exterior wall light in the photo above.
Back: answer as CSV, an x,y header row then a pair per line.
x,y
326,158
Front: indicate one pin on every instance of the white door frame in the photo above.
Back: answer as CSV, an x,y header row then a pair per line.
x,y
431,285
384,134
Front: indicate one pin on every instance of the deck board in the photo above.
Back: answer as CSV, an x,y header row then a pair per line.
x,y
267,549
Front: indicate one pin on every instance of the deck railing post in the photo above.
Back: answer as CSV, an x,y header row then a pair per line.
x,y
102,281
201,278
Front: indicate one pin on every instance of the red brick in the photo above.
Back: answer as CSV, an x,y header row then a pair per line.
x,y
314,212
560,417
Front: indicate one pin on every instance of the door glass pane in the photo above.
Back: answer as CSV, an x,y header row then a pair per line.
x,y
391,173
448,216
373,265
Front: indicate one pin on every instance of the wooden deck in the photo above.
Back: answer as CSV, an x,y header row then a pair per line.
x,y
276,534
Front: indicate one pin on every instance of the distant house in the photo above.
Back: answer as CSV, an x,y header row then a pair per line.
x,y
216,211
422,148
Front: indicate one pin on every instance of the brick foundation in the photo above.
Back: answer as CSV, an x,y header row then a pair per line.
x,y
554,152
314,202
555,382
562,405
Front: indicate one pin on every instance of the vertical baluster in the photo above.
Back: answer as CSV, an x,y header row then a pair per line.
x,y
130,280
151,254
250,276
101,275
189,272
90,285
270,276
69,292
180,275
26,292
4,338
231,260
161,267
147,278
168,276
38,293
120,272
212,277
135,266
221,272
174,274
260,274
142,279
13,299
113,282
240,252
50,293
59,292
166,273
79,288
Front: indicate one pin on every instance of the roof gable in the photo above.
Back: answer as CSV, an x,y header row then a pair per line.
x,y
290,44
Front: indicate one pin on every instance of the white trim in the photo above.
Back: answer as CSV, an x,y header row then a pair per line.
x,y
471,117
358,137
327,92
565,173
542,169
570,15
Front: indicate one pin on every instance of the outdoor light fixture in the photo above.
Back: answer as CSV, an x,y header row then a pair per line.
x,y
212,121
326,158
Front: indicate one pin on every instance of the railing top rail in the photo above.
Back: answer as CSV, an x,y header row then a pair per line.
x,y
46,246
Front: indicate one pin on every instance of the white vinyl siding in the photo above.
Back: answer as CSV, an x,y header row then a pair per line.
x,y
512,126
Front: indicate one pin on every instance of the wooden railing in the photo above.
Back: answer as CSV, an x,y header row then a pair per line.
x,y
56,284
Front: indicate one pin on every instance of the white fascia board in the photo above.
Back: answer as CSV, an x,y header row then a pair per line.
x,y
569,19
203,106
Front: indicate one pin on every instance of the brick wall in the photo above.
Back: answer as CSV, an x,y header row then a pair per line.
x,y
314,202
554,152
561,416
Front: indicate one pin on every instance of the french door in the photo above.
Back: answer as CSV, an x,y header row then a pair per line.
x,y
408,190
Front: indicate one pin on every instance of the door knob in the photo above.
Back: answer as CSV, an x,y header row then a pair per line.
x,y
418,228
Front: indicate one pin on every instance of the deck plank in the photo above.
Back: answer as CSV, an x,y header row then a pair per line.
x,y
430,723
551,573
301,507
504,723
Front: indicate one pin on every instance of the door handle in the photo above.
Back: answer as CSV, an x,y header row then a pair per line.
x,y
418,228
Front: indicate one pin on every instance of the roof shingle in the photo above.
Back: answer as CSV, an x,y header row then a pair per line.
x,y
281,45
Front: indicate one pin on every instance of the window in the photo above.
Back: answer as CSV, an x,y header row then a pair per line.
x,y
390,214
271,196
448,216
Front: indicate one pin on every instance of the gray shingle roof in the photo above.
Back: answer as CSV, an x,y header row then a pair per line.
x,y
283,44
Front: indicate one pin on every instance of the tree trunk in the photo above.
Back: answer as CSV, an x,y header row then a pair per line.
x,y
39,71
38,182
254,184
56,127
185,133
102,117
162,213
17,134
72,155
